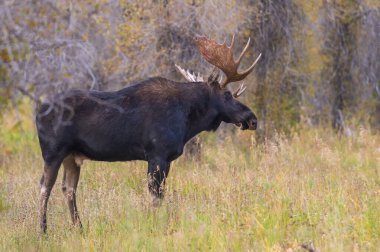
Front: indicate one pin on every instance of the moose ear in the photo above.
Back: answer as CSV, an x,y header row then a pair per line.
x,y
214,78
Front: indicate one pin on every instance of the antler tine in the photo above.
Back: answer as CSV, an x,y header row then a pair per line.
x,y
244,51
240,90
189,76
220,79
199,77
249,70
232,41
183,72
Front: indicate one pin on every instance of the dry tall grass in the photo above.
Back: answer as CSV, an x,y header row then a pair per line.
x,y
311,188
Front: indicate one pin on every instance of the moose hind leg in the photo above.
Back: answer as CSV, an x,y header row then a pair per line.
x,y
69,186
158,170
64,183
47,182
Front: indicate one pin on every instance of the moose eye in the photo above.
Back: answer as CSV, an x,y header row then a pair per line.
x,y
228,96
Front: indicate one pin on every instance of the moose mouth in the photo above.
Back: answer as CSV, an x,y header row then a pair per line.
x,y
249,124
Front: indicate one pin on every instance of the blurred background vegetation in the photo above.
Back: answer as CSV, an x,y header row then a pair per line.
x,y
318,79
320,64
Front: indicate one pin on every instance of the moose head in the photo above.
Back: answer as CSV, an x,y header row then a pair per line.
x,y
221,56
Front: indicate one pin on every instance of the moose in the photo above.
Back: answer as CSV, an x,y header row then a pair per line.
x,y
150,120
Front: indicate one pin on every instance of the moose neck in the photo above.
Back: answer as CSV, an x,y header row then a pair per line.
x,y
203,114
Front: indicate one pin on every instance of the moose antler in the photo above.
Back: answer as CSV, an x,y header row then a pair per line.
x,y
189,76
238,92
221,56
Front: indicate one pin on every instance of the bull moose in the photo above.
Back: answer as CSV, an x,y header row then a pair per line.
x,y
151,120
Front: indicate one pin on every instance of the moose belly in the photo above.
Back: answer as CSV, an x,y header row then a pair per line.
x,y
108,152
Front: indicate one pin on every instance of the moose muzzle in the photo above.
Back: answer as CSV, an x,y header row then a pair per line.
x,y
250,124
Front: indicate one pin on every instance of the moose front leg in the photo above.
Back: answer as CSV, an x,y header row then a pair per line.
x,y
158,170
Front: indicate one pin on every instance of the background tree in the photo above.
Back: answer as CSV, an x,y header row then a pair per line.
x,y
351,73
277,27
319,66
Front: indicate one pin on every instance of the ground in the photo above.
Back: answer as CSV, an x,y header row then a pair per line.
x,y
312,188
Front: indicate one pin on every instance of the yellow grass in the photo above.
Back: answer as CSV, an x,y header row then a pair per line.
x,y
313,187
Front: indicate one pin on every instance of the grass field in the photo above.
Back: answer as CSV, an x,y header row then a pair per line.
x,y
312,188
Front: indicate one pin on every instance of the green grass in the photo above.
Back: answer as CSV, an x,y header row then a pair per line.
x,y
313,187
